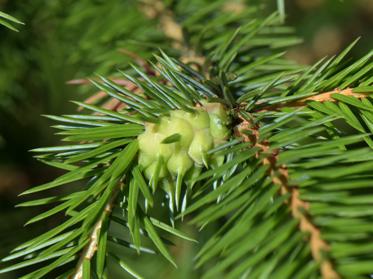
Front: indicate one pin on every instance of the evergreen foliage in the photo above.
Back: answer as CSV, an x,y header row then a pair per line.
x,y
9,21
293,191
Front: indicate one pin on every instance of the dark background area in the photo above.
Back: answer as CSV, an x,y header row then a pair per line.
x,y
56,45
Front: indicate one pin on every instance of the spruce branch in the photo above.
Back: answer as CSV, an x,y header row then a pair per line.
x,y
91,247
318,97
157,9
286,147
328,96
173,30
279,175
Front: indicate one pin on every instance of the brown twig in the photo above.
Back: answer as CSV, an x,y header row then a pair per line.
x,y
298,207
156,9
323,97
172,29
91,247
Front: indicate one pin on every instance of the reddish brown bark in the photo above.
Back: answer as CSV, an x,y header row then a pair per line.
x,y
279,174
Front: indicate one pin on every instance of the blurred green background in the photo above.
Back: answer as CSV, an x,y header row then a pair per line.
x,y
64,40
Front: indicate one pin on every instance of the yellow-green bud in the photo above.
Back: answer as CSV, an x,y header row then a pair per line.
x,y
151,144
218,121
145,159
198,119
218,110
218,129
150,171
176,125
202,142
179,163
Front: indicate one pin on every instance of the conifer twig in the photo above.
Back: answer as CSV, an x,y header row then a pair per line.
x,y
91,247
279,175
172,29
321,97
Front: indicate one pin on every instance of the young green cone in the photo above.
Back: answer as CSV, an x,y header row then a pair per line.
x,y
182,141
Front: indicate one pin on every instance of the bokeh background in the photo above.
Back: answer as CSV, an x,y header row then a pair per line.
x,y
65,40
